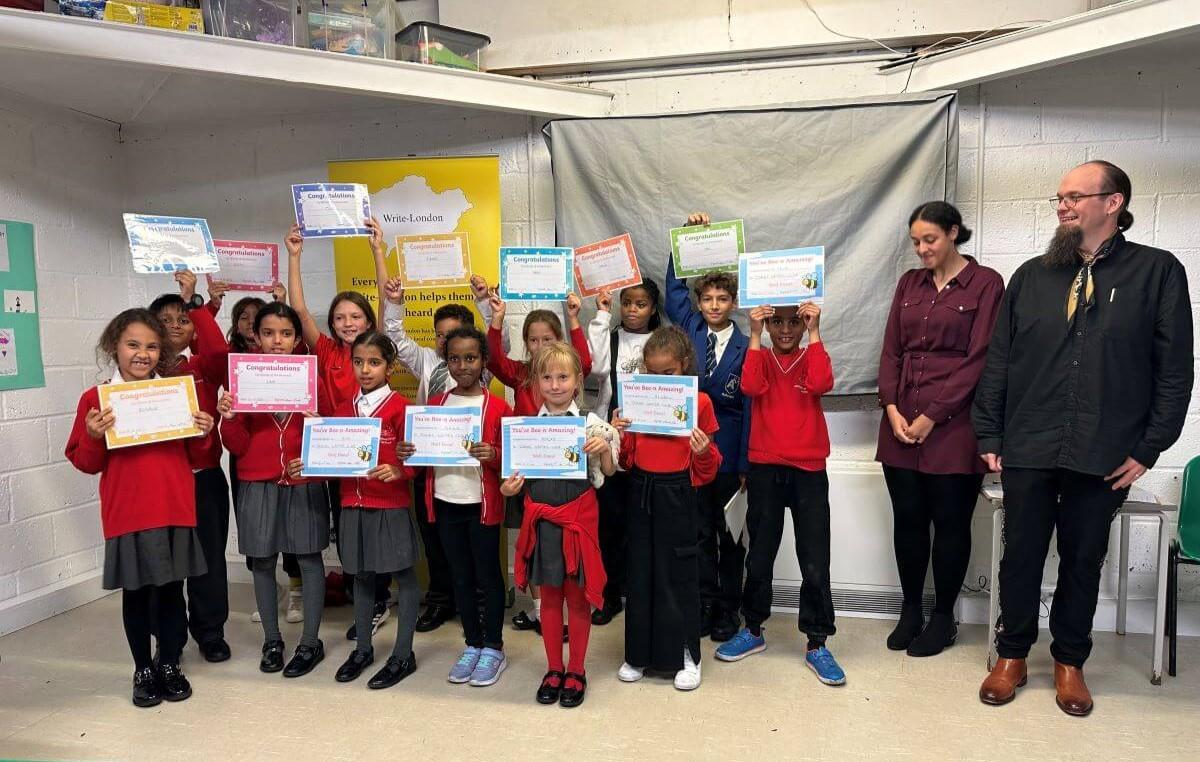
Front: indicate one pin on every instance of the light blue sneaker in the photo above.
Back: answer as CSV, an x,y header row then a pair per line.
x,y
821,662
487,670
462,669
744,644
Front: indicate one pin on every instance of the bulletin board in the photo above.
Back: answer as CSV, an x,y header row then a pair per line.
x,y
20,337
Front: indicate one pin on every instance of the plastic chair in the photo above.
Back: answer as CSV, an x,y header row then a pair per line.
x,y
1185,549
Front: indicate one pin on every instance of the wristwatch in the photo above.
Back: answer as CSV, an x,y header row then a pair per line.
x,y
196,301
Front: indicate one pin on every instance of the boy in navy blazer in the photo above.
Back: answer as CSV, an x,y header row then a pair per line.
x,y
720,352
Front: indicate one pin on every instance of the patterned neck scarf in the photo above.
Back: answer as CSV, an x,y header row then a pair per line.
x,y
1082,290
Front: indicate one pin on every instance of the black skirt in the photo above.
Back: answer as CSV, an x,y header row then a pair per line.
x,y
381,541
152,557
280,518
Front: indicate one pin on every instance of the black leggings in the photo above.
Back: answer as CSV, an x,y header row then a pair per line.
x,y
946,501
473,550
164,603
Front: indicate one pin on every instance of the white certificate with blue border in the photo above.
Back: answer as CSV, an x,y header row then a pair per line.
x,y
443,436
166,244
546,447
331,210
536,274
340,446
663,405
782,278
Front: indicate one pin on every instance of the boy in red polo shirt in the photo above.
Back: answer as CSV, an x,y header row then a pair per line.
x,y
789,443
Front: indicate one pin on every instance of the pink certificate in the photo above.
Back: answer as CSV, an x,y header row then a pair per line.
x,y
273,383
247,265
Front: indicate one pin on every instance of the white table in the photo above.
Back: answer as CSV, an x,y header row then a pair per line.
x,y
1138,503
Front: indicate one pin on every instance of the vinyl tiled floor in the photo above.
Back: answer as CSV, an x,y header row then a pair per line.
x,y
64,694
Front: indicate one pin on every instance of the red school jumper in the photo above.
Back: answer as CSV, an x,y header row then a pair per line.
x,y
494,409
787,424
658,454
360,492
264,444
336,369
208,366
515,374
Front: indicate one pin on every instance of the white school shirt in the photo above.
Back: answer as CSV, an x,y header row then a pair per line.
x,y
723,337
366,404
422,362
458,484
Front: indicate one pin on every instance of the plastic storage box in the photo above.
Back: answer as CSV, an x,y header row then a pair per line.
x,y
277,21
429,43
357,27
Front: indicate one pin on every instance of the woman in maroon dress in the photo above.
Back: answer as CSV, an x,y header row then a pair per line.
x,y
934,348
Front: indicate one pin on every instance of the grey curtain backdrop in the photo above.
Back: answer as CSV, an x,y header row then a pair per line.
x,y
842,174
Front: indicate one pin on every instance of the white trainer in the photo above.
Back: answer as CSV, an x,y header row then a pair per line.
x,y
688,678
295,606
629,673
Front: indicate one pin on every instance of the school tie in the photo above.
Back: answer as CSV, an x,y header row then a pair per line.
x,y
710,355
437,380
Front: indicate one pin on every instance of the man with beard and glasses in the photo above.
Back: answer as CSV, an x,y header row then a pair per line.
x,y
1087,382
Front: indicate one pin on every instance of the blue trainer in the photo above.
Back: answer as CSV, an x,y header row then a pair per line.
x,y
462,669
825,666
744,644
487,670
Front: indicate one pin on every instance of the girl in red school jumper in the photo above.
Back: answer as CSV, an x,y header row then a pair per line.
x,y
147,511
559,548
662,608
278,510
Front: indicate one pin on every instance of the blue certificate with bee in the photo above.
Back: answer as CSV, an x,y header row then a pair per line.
x,y
345,447
782,278
443,436
546,447
664,405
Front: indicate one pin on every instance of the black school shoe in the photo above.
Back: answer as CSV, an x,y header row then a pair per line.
x,y
725,625
523,621
305,658
354,665
572,697
433,617
272,656
395,670
938,635
146,688
605,613
215,650
548,692
907,629
175,686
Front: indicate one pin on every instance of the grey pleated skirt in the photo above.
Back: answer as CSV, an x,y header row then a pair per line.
x,y
548,566
280,518
377,541
152,557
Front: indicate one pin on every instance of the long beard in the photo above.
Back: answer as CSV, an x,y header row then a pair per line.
x,y
1063,249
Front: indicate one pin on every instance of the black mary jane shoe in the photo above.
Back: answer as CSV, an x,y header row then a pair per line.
x,y
175,686
146,689
605,613
572,697
548,692
433,617
354,665
272,656
524,622
215,650
395,670
304,659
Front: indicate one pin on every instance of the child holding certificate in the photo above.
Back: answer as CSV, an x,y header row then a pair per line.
x,y
278,510
721,347
376,534
789,443
558,549
662,608
147,511
616,352
465,504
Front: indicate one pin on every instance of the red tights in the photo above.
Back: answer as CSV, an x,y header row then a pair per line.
x,y
579,619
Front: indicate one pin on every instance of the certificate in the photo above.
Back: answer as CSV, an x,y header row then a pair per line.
x,y
543,448
434,261
340,446
700,249
442,435
167,244
535,274
248,265
273,383
153,410
659,404
784,277
608,264
331,210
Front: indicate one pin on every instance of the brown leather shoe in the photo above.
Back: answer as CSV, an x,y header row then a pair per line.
x,y
1000,687
1073,697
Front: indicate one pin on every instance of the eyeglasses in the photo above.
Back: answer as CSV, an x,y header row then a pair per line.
x,y
1073,199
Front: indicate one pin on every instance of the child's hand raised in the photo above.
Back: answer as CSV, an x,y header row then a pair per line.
x,y
512,485
187,284
99,421
810,313
225,406
393,290
479,287
295,467
758,317
278,292
700,441
698,218
604,300
216,291
378,246
405,450
619,423
573,306
294,242
498,306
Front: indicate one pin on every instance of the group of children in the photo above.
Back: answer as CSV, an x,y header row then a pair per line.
x,y
644,533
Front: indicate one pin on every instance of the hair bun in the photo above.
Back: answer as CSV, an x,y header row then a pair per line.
x,y
964,235
1124,220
